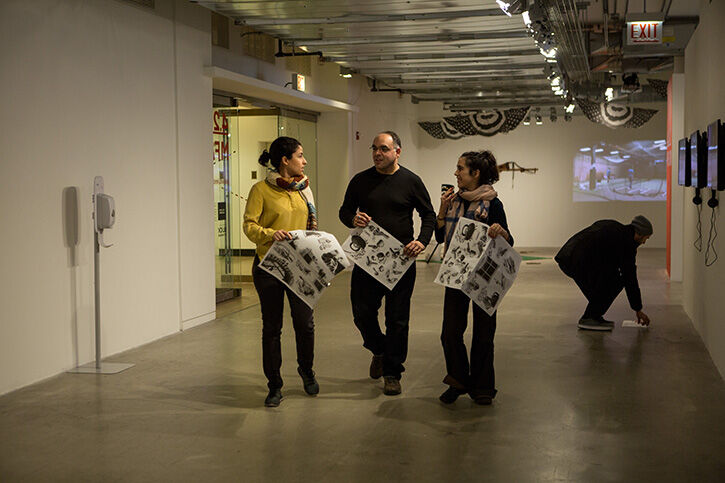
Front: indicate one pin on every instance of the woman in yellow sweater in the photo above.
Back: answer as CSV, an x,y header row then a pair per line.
x,y
281,203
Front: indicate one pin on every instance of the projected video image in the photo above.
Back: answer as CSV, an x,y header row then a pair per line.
x,y
634,171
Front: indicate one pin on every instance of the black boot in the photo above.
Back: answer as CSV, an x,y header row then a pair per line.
x,y
450,395
309,382
273,398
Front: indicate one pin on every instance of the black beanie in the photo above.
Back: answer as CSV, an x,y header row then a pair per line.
x,y
642,226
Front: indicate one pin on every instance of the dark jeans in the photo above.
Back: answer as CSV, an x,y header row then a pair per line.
x,y
599,286
600,289
478,378
271,299
366,295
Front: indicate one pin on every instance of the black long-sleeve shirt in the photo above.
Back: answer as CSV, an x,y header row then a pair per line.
x,y
605,246
390,199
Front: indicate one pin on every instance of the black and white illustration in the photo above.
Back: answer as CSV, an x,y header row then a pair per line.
x,y
493,275
468,243
307,263
378,253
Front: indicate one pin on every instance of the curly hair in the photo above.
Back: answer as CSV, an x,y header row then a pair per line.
x,y
483,162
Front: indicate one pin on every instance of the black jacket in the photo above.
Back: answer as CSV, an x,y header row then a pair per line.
x,y
606,248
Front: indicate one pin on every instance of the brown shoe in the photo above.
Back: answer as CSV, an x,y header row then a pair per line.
x,y
392,386
376,367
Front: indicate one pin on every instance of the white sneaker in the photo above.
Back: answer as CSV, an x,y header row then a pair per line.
x,y
594,324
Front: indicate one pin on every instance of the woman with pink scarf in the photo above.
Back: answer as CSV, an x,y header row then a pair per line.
x,y
477,200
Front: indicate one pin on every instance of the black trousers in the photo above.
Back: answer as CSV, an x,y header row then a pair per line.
x,y
600,289
478,377
599,285
366,295
271,299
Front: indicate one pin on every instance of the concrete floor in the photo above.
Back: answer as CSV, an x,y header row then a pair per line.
x,y
632,405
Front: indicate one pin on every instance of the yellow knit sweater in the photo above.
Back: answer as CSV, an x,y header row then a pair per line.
x,y
270,208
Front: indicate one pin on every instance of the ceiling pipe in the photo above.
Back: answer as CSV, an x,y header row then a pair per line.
x,y
427,56
397,39
281,53
605,13
375,88
351,19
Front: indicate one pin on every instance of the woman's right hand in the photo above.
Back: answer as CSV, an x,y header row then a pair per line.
x,y
446,199
280,235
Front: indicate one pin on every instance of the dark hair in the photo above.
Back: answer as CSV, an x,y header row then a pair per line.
x,y
485,163
281,147
396,138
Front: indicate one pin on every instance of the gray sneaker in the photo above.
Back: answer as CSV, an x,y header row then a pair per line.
x,y
595,324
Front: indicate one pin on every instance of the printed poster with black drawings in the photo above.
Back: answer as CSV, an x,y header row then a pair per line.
x,y
467,244
379,253
306,264
485,278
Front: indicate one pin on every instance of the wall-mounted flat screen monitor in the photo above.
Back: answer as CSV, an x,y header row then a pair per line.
x,y
715,156
683,162
698,161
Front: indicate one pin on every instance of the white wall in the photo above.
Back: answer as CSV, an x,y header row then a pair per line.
x,y
101,88
677,87
539,206
705,102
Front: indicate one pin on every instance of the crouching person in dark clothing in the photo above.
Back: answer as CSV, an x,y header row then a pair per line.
x,y
601,260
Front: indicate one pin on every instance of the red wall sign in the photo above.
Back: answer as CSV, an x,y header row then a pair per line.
x,y
644,32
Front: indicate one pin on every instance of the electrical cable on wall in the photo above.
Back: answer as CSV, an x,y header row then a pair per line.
x,y
711,241
712,203
698,241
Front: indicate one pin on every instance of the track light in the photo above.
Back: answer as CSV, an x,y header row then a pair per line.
x,y
345,72
552,115
539,122
513,6
527,19
527,120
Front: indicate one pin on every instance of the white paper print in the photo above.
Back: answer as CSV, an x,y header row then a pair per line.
x,y
483,268
493,275
467,245
633,323
306,264
377,252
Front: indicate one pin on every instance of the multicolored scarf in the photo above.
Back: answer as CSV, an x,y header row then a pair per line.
x,y
480,201
302,185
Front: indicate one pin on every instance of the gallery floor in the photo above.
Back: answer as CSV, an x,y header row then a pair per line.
x,y
631,405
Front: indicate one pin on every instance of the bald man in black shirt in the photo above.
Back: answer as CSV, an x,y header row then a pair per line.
x,y
387,193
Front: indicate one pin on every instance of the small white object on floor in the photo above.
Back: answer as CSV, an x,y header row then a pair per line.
x,y
632,323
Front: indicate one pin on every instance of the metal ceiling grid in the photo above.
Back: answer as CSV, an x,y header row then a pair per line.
x,y
464,53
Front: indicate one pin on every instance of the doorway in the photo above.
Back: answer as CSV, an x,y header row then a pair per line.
x,y
240,135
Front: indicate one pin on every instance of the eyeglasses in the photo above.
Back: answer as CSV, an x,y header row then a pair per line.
x,y
383,149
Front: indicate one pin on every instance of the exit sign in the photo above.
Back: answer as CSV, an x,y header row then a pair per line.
x,y
646,32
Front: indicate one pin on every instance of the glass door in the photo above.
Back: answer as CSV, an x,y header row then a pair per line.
x,y
240,136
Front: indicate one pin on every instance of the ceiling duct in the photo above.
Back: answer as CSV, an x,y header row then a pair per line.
x,y
571,52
